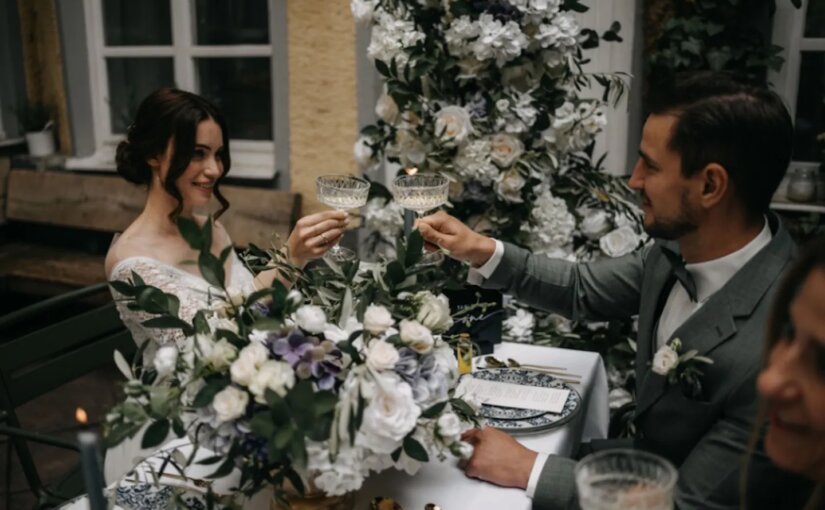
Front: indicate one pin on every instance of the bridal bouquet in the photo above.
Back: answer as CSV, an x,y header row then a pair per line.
x,y
344,375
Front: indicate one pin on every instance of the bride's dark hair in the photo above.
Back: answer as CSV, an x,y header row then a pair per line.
x,y
170,114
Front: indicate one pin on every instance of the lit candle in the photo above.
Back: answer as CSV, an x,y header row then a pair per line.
x,y
90,461
409,216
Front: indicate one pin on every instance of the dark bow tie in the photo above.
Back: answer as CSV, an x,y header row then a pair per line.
x,y
681,272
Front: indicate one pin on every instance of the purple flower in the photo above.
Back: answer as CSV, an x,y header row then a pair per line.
x,y
293,349
310,358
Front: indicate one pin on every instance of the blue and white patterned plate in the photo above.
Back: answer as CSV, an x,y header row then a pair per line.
x,y
526,421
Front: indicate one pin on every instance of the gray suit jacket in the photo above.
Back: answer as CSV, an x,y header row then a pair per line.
x,y
706,439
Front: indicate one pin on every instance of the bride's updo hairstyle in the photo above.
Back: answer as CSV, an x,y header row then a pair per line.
x,y
169,114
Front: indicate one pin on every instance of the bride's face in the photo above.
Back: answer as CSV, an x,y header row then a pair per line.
x,y
197,181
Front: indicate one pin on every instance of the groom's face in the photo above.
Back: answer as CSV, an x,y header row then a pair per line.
x,y
666,194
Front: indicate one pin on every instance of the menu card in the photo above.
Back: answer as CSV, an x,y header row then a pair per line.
x,y
518,396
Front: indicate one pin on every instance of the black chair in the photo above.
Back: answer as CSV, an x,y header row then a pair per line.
x,y
36,362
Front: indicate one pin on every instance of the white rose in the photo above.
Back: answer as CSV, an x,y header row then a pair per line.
x,y
311,318
294,297
452,124
464,450
216,323
391,414
381,355
505,149
377,319
416,336
363,153
230,403
620,241
434,311
219,355
595,224
387,109
256,353
502,105
449,426
275,375
665,360
166,359
520,326
243,370
509,186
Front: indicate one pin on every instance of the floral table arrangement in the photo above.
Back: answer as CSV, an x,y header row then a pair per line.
x,y
317,387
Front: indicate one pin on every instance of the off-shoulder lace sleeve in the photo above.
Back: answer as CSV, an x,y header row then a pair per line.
x,y
193,292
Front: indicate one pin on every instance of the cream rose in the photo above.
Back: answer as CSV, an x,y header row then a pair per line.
x,y
505,149
448,426
416,336
453,124
217,354
363,153
242,370
230,403
509,186
381,355
387,109
620,241
377,319
274,375
434,311
311,318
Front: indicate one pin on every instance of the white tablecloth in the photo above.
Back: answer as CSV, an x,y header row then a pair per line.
x,y
443,483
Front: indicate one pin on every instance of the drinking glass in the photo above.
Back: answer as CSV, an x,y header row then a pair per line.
x,y
422,193
625,479
341,192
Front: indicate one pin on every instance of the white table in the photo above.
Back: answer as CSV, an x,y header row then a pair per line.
x,y
444,483
447,486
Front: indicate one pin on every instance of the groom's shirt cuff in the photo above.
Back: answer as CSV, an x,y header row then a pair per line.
x,y
477,275
535,474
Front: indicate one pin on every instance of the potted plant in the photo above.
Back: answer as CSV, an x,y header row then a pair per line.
x,y
36,120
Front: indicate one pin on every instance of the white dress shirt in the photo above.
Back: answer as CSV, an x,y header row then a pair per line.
x,y
709,277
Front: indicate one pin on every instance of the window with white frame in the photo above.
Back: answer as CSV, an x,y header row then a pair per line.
x,y
801,32
219,49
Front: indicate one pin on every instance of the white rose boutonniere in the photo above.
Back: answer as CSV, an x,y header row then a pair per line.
x,y
680,368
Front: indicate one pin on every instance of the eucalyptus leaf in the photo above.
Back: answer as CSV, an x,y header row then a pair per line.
x,y
122,365
155,434
190,231
123,287
211,269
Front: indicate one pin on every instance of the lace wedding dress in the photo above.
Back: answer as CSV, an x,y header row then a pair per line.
x,y
194,294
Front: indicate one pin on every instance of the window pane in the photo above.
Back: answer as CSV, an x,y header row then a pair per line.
x,y
130,23
241,89
132,79
815,19
236,22
810,106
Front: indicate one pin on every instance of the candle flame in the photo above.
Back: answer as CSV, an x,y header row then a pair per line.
x,y
411,170
81,416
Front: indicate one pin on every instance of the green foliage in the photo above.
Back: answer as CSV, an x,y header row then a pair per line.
x,y
717,35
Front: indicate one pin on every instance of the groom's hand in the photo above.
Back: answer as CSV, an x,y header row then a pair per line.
x,y
459,240
498,458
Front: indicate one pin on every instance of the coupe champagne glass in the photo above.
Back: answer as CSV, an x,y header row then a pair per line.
x,y
341,192
422,193
625,479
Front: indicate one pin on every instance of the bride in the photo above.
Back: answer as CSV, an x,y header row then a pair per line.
x,y
178,146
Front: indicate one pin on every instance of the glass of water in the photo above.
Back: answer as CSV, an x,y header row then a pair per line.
x,y
422,193
341,192
626,480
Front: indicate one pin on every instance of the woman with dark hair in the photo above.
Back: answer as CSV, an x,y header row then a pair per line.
x,y
792,381
178,146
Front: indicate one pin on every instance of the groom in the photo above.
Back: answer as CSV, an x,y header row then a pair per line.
x,y
713,152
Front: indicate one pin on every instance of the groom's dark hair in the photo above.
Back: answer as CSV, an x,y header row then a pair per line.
x,y
723,119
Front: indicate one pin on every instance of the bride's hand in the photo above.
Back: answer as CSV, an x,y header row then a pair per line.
x,y
314,234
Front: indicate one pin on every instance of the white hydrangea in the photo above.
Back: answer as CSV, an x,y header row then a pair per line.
x,y
519,327
562,33
336,477
390,37
500,41
551,224
474,161
459,33
362,10
386,218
